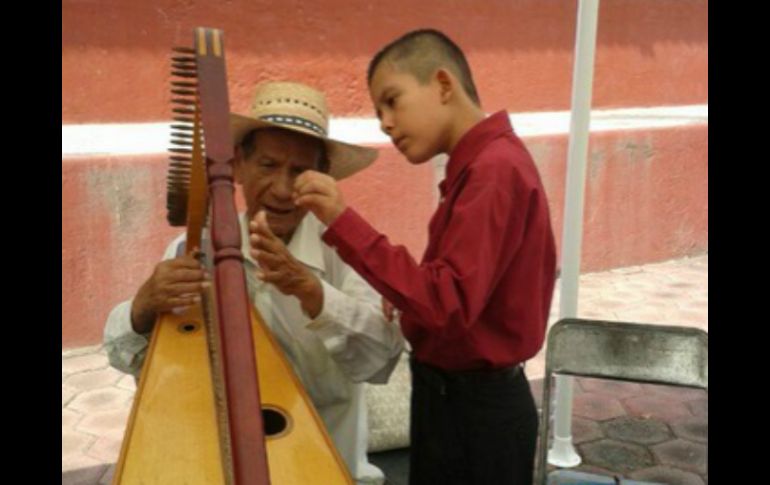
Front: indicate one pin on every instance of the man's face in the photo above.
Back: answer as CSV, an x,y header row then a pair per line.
x,y
410,113
268,176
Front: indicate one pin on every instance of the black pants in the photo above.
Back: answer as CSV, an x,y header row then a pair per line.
x,y
471,428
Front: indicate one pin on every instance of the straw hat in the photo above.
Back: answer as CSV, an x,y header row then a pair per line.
x,y
297,107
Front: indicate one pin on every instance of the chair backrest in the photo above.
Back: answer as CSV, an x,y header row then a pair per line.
x,y
655,354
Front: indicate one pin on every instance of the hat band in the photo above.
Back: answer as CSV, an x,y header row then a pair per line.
x,y
295,121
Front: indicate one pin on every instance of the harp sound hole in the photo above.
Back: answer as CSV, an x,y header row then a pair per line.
x,y
275,421
188,327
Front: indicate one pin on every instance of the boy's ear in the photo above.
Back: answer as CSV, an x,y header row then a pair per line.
x,y
446,83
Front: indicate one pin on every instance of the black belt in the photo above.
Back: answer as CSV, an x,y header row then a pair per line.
x,y
441,377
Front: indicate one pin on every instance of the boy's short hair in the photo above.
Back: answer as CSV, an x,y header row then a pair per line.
x,y
421,53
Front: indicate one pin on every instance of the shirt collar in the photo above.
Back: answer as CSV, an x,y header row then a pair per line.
x,y
305,243
471,144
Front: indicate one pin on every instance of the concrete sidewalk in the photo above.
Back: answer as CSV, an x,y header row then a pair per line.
x,y
653,433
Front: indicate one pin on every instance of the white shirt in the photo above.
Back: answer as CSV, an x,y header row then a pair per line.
x,y
347,344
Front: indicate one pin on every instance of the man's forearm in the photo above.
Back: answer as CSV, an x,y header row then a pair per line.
x,y
312,299
142,319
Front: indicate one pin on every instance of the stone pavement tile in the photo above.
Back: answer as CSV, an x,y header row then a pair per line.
x,y
93,379
588,468
618,389
636,430
627,270
644,313
85,472
628,297
597,281
593,405
110,423
696,430
80,363
585,430
638,285
616,456
67,393
100,399
69,418
536,385
127,382
674,393
105,449
108,474
694,302
687,317
699,407
657,407
585,468
596,313
604,305
682,454
667,475
75,443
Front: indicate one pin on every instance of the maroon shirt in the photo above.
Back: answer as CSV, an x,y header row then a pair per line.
x,y
481,296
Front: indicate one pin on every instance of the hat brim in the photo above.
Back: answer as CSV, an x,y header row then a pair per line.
x,y
344,159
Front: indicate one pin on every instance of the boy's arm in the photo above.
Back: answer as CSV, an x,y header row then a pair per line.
x,y
345,313
454,287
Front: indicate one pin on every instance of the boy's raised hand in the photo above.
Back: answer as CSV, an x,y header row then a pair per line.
x,y
318,193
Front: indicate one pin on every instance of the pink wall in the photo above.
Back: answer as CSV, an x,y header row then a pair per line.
x,y
115,53
646,197
646,200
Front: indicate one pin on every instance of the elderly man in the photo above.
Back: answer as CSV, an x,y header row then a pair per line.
x,y
326,318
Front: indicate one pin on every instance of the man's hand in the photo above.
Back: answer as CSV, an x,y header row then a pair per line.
x,y
280,268
318,193
174,283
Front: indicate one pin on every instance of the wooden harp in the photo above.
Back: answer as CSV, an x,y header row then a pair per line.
x,y
204,411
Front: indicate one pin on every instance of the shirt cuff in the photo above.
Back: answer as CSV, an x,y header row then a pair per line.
x,y
327,324
349,233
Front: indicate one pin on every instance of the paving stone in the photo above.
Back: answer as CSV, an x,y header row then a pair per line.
x,y
658,407
128,383
618,389
74,442
69,418
667,475
80,363
616,456
67,393
93,379
105,449
100,400
600,407
636,430
696,430
85,471
585,430
105,423
108,474
682,454
699,407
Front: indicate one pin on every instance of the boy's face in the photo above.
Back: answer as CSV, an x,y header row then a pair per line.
x,y
410,113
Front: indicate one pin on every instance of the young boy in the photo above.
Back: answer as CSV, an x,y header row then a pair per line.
x,y
476,307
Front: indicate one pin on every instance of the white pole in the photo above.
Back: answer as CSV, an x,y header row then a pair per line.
x,y
562,453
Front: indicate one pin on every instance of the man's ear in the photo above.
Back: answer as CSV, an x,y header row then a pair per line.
x,y
446,83
238,164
